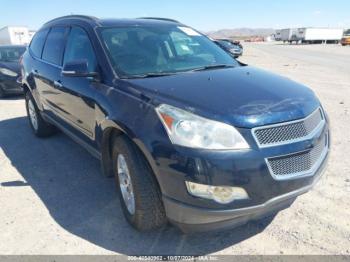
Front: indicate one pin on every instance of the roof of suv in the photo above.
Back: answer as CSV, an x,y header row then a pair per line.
x,y
113,21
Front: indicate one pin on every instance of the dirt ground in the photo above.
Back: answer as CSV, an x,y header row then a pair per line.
x,y
53,199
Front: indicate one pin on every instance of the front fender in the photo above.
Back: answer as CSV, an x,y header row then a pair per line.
x,y
133,125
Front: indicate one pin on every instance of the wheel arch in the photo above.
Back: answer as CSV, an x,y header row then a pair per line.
x,y
25,88
108,135
28,88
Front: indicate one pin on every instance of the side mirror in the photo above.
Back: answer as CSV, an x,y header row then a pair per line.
x,y
78,68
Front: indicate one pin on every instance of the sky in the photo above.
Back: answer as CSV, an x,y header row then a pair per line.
x,y
205,15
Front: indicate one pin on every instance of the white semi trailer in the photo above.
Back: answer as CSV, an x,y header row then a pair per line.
x,y
288,35
14,35
319,35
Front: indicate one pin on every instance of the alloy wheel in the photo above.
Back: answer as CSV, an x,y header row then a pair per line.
x,y
125,184
32,115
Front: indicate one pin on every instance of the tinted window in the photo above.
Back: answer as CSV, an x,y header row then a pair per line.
x,y
79,48
37,44
54,46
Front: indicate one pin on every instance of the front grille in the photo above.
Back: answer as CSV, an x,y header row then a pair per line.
x,y
298,164
289,131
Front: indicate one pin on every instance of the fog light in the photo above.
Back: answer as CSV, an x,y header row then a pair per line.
x,y
220,194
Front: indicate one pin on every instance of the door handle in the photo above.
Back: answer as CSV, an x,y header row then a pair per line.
x,y
57,84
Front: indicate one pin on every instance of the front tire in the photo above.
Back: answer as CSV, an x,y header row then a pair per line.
x,y
39,126
139,193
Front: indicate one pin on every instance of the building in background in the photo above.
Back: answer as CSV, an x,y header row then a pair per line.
x,y
31,33
15,35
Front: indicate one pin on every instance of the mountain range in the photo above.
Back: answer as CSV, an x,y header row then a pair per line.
x,y
241,32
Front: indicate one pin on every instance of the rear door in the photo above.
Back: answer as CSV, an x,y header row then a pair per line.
x,y
78,93
50,71
33,68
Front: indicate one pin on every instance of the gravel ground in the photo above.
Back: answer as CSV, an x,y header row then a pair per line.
x,y
53,199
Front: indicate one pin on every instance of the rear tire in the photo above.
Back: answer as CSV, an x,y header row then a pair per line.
x,y
39,126
139,193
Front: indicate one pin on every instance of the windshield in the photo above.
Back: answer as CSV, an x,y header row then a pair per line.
x,y
143,50
11,54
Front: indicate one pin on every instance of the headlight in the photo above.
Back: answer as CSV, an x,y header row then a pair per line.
x,y
8,72
189,130
220,194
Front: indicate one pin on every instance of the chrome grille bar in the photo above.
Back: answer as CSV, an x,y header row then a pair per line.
x,y
289,132
298,164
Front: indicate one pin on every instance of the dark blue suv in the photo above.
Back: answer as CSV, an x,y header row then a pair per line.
x,y
191,135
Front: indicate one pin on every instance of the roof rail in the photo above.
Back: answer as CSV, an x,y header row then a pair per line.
x,y
160,18
87,17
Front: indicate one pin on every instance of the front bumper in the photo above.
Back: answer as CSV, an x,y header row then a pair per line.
x,y
243,168
236,53
247,169
193,219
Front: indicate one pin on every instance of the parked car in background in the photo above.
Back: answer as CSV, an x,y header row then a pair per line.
x,y
10,69
346,38
233,48
191,135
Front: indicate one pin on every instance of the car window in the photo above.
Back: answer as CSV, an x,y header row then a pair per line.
x,y
140,50
79,48
37,44
54,46
11,54
226,43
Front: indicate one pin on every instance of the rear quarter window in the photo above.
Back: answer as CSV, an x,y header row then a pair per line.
x,y
37,44
54,45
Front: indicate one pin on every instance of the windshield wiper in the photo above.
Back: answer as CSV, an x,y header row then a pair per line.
x,y
209,67
150,75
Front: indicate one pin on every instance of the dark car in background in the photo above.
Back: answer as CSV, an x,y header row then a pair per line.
x,y
191,135
234,48
10,69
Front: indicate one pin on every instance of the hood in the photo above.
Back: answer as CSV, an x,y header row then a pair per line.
x,y
243,96
13,66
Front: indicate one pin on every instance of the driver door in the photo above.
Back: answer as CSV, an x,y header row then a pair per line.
x,y
78,93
